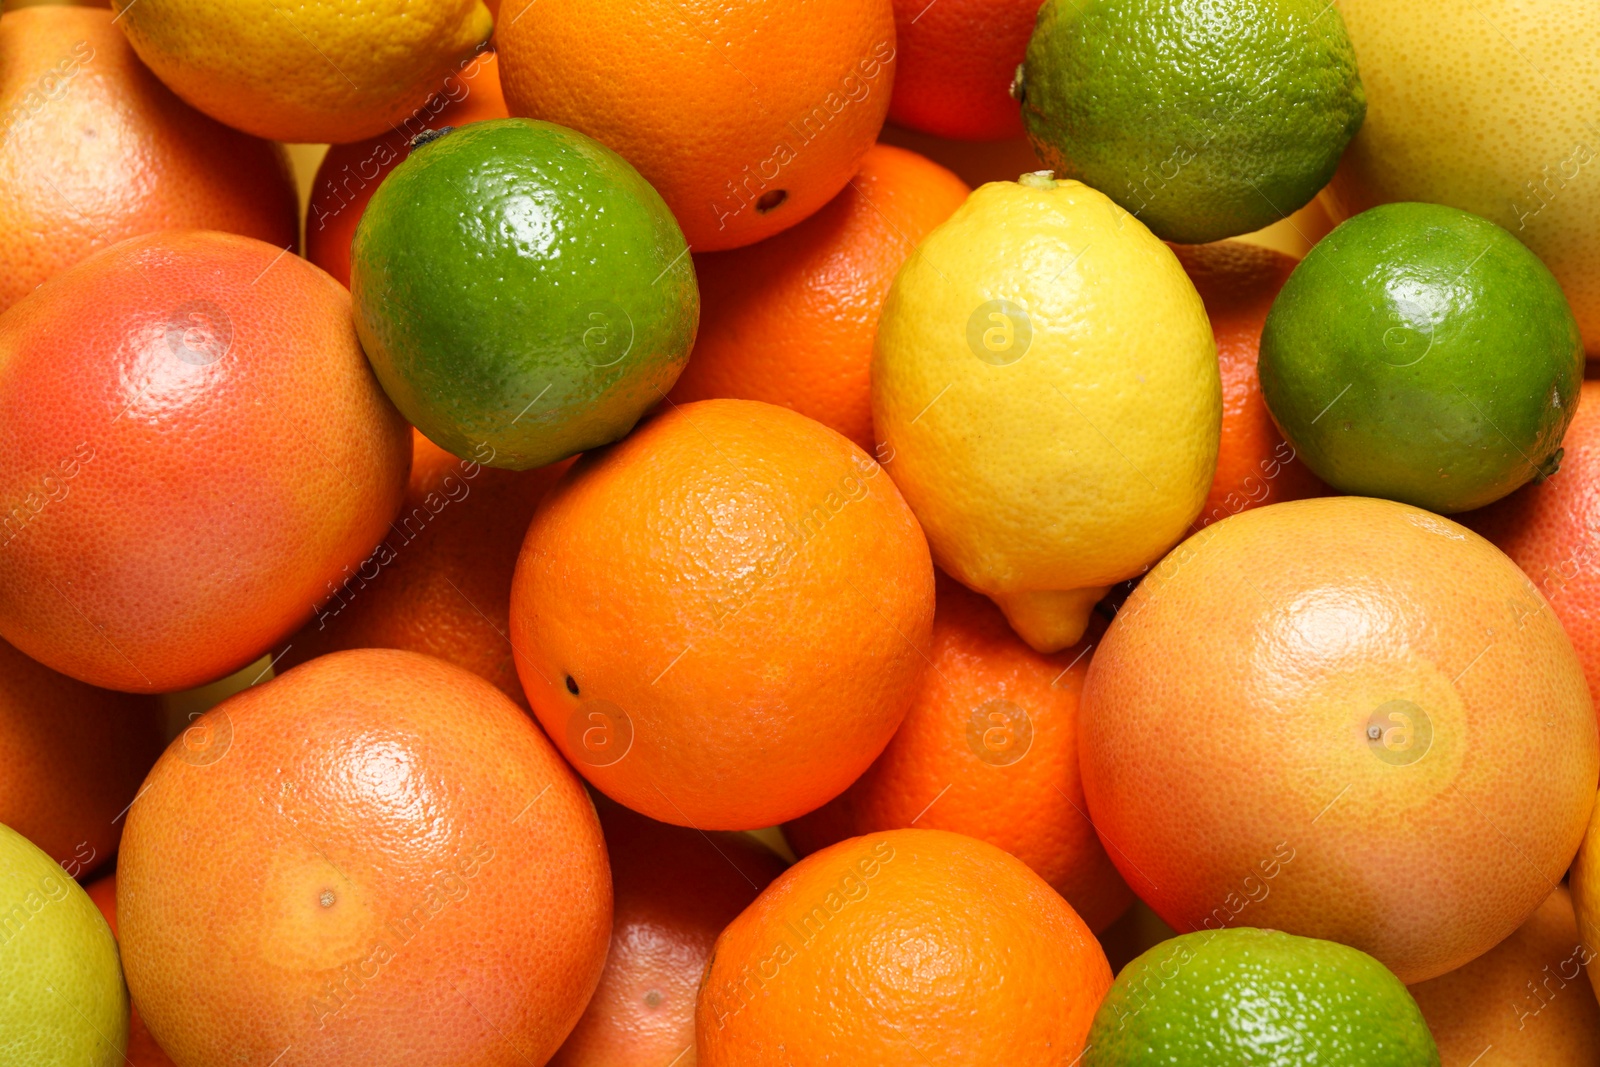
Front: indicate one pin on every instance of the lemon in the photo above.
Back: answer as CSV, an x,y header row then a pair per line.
x,y
311,71
1045,382
1487,106
62,1001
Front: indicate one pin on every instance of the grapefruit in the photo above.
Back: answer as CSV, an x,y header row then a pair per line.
x,y
376,859
71,759
1338,698
675,889
192,448
94,149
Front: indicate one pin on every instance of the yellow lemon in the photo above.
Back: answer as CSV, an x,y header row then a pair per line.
x,y
1045,385
311,71
1487,106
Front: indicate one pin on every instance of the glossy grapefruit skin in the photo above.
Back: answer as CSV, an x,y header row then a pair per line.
x,y
721,619
71,759
1527,998
676,889
375,858
1552,530
1226,748
440,581
192,448
350,173
94,149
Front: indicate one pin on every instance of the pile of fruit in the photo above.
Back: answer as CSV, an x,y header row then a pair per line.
x,y
772,533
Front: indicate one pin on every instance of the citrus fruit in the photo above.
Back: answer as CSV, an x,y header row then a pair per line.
x,y
1205,120
71,759
747,117
790,320
350,173
142,1048
94,149
374,859
900,948
519,287
317,71
721,620
1525,1003
64,1004
1548,529
675,889
956,61
440,582
1492,117
1260,998
1046,384
1338,697
191,448
1255,465
1421,353
989,749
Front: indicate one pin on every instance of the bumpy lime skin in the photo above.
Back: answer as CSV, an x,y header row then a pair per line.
x,y
1423,354
522,292
1257,998
1204,118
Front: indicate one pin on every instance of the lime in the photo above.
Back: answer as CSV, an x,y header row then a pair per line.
x,y
522,292
62,1001
1204,118
1046,381
1257,998
1423,354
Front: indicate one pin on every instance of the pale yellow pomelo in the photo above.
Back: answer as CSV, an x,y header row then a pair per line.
x,y
1488,106
1045,386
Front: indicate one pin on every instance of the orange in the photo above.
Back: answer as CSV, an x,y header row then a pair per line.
x,y
375,858
71,759
1255,465
192,446
440,582
988,749
1527,1002
675,889
142,1048
350,173
908,948
791,320
721,619
745,117
94,149
1552,530
1341,718
957,61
